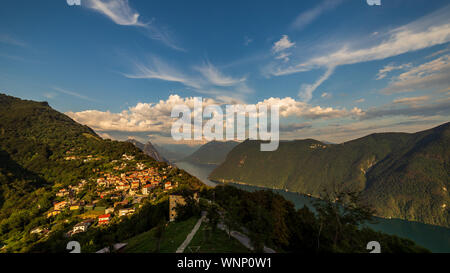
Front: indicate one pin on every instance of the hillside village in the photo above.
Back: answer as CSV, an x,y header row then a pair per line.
x,y
109,195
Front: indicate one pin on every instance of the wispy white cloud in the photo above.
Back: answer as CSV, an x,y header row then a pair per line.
x,y
382,73
307,17
279,49
207,79
10,40
432,75
163,35
232,95
72,93
411,100
431,30
15,42
439,52
215,77
282,44
295,127
402,40
158,69
412,107
121,13
326,95
284,56
49,95
306,90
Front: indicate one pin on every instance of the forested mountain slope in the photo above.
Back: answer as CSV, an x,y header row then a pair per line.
x,y
403,175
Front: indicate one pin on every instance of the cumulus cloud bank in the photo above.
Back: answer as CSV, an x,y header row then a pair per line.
x,y
297,118
156,117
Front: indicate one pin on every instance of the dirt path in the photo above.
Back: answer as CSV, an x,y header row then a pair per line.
x,y
191,235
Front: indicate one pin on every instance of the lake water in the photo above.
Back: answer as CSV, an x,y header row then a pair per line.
x,y
434,238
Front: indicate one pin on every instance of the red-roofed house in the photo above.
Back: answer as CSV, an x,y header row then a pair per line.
x,y
104,219
146,189
135,184
60,205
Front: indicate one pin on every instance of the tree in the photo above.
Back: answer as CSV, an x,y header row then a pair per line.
x,y
340,210
213,216
231,216
261,228
279,212
159,234
191,206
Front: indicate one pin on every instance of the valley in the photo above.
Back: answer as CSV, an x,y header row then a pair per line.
x,y
435,238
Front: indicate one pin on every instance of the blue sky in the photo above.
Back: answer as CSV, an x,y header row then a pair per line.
x,y
340,69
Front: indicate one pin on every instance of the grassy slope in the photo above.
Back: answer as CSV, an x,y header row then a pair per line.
x,y
219,242
173,237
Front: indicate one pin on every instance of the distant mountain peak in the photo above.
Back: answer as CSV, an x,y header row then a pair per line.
x,y
148,149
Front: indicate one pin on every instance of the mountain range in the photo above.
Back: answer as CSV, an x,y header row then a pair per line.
x,y
402,175
211,153
175,152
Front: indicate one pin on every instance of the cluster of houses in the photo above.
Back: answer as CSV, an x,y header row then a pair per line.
x,y
126,190
71,190
69,156
317,146
84,158
132,183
